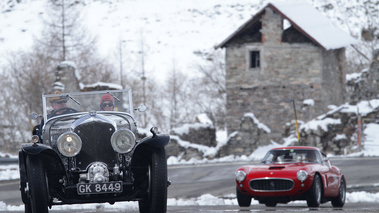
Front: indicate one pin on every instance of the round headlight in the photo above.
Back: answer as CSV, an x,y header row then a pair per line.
x,y
302,175
69,144
240,175
123,141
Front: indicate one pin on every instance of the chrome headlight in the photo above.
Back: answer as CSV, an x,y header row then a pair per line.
x,y
302,175
123,141
69,144
240,175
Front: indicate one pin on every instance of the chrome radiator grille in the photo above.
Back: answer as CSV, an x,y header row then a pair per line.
x,y
96,139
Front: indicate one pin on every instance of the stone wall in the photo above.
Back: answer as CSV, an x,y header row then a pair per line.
x,y
334,132
204,134
249,137
374,72
66,78
192,141
334,77
289,71
336,137
365,85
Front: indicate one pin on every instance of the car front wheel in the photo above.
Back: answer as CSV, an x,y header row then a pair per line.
x,y
315,192
28,208
339,201
271,203
38,193
156,199
243,200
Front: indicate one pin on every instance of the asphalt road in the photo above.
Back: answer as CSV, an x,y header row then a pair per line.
x,y
191,181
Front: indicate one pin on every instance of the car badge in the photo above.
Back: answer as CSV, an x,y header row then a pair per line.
x,y
271,173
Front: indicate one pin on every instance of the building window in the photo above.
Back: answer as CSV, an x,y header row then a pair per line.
x,y
255,60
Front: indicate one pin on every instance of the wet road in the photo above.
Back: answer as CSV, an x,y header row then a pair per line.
x,y
217,180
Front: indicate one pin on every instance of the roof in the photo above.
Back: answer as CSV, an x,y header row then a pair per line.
x,y
307,20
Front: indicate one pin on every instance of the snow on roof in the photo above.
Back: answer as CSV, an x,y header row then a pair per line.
x,y
315,24
307,20
101,84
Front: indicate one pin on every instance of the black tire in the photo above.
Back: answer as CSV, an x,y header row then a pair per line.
x,y
156,200
243,200
24,197
271,203
28,208
38,193
314,195
339,201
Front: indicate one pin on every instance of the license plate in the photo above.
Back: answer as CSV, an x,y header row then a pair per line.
x,y
99,188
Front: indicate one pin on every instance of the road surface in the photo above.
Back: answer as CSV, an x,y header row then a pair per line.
x,y
192,181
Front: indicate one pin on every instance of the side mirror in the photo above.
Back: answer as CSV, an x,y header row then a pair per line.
x,y
34,116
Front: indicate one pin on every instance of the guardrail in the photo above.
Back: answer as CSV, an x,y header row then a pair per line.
x,y
7,161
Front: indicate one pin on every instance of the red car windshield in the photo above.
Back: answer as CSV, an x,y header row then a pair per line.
x,y
292,156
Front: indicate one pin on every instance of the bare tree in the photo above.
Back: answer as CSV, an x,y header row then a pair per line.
x,y
30,73
209,89
24,79
361,18
179,107
67,39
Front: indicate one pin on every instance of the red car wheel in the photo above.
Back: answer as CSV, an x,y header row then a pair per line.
x,y
339,201
314,193
243,200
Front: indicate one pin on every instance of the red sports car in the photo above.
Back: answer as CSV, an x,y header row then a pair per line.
x,y
291,173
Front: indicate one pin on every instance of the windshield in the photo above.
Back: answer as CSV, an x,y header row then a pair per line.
x,y
292,156
67,103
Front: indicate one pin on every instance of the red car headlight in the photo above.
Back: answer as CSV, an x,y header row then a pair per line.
x,y
240,175
302,175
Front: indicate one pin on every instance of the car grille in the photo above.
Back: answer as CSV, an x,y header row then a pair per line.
x,y
96,144
271,184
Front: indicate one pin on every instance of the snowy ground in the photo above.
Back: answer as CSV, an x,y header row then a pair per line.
x,y
204,200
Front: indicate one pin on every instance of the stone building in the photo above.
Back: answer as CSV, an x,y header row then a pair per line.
x,y
286,52
67,79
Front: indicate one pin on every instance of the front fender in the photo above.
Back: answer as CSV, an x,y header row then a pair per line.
x,y
35,148
142,152
160,140
49,158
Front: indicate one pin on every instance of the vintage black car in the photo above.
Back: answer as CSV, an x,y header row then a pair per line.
x,y
82,154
